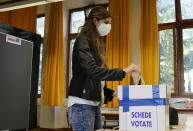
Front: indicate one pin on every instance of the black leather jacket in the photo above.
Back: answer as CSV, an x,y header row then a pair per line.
x,y
87,72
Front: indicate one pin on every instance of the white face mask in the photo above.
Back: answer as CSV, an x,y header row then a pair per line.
x,y
104,29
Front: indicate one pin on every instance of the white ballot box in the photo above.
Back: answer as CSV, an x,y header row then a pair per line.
x,y
143,108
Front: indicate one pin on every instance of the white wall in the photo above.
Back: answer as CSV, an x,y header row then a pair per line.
x,y
71,4
134,35
41,9
65,29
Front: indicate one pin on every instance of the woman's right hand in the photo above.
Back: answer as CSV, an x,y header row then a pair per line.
x,y
132,68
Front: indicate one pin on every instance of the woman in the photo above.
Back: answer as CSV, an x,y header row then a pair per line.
x,y
87,90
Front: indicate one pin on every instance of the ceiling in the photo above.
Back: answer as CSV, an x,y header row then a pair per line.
x,y
6,5
3,2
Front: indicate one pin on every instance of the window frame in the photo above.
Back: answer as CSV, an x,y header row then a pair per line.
x,y
72,36
178,26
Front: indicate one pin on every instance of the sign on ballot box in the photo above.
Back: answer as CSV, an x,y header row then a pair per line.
x,y
143,108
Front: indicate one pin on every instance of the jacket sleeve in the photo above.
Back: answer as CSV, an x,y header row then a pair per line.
x,y
90,66
108,93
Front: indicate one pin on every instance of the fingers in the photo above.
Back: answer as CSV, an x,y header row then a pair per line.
x,y
132,68
137,69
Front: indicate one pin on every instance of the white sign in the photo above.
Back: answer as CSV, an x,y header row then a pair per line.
x,y
13,39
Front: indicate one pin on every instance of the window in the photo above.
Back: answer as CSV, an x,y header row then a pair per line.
x,y
40,25
40,31
71,49
166,11
188,59
40,70
175,24
166,58
187,10
77,19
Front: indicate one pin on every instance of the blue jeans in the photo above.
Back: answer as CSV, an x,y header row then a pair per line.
x,y
84,117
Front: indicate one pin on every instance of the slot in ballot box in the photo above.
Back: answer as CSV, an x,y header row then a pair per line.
x,y
143,108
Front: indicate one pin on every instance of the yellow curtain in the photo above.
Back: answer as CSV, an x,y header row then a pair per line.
x,y
149,42
54,68
21,18
117,47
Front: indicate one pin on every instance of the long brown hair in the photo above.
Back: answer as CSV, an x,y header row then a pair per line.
x,y
89,29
